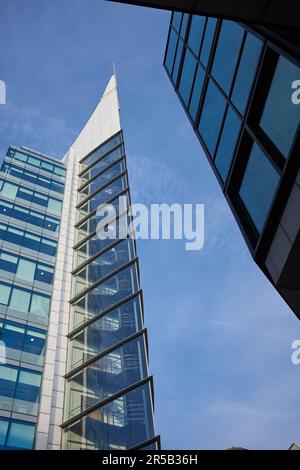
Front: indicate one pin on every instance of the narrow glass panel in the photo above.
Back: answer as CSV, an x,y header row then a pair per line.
x,y
227,143
3,432
281,117
208,40
171,51
230,39
196,32
176,21
177,61
185,18
27,392
246,71
187,76
212,117
197,91
4,293
258,186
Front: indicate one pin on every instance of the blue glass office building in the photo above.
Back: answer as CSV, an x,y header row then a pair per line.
x,y
238,86
74,357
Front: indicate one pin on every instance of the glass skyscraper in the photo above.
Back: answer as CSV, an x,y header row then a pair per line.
x,y
74,358
239,87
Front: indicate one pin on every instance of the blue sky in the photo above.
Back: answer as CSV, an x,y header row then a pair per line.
x,y
220,336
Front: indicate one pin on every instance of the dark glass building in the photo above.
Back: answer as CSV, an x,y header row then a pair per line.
x,y
240,90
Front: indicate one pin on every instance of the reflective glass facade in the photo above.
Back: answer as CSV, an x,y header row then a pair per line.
x,y
108,392
31,195
236,84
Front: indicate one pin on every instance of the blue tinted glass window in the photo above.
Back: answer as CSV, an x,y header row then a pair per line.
x,y
227,143
230,39
177,61
20,436
196,32
246,72
171,51
208,40
184,25
258,186
27,392
280,118
187,76
3,432
212,117
8,380
197,90
176,20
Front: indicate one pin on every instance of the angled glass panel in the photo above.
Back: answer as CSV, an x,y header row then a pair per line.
x,y
224,64
105,295
103,333
104,264
94,244
187,76
27,392
102,196
258,186
121,424
246,71
101,151
196,33
197,91
227,143
101,164
212,117
106,376
177,61
102,179
171,50
184,22
208,40
176,20
281,117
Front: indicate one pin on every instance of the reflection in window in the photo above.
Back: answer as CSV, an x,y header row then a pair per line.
x,y
121,424
212,117
187,76
106,376
230,39
280,118
171,51
246,71
227,143
258,186
197,91
184,25
196,32
15,434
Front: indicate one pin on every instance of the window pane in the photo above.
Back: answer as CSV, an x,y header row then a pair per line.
x,y
184,25
196,32
20,436
280,118
208,40
8,378
4,294
34,161
19,300
27,392
3,432
230,39
9,190
227,143
177,61
197,91
187,76
246,71
26,270
258,186
176,20
212,117
54,206
40,305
